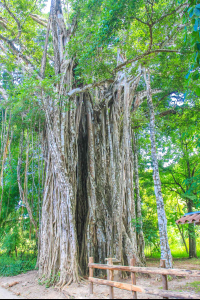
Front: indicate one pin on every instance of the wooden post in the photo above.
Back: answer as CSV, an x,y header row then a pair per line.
x,y
108,274
164,277
133,276
91,274
111,278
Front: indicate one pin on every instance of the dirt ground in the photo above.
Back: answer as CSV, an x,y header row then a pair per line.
x,y
4,294
27,285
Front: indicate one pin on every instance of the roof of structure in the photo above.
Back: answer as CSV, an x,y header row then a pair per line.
x,y
190,218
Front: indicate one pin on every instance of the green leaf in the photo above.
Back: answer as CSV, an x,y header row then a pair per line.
x,y
198,91
198,46
195,76
188,75
197,11
191,13
189,9
196,25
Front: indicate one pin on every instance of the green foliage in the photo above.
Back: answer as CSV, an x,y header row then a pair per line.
x,y
109,26
177,136
10,266
11,240
177,143
17,235
50,282
192,39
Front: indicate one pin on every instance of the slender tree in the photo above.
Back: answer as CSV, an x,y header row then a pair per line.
x,y
140,234
162,220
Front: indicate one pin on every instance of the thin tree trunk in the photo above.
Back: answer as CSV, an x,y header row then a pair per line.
x,y
162,220
183,238
23,193
181,230
191,229
191,233
5,141
140,234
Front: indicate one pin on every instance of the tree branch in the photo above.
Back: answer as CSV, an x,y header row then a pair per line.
x,y
167,112
151,37
3,93
3,23
170,13
14,17
2,48
172,190
166,95
177,183
44,57
39,20
193,171
127,62
87,87
140,96
16,51
145,23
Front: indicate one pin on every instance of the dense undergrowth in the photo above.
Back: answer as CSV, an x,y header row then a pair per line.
x,y
12,266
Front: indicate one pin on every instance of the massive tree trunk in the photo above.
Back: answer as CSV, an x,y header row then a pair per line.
x,y
88,203
162,221
88,200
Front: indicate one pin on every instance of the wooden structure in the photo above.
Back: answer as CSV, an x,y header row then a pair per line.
x,y
115,262
165,293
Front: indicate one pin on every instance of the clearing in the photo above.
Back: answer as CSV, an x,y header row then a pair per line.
x,y
29,288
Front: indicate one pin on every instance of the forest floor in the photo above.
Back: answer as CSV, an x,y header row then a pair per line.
x,y
4,294
28,287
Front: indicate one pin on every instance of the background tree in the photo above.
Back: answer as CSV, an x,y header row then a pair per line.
x,y
177,114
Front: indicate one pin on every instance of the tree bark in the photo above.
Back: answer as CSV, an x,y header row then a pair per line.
x,y
140,234
191,233
162,221
98,167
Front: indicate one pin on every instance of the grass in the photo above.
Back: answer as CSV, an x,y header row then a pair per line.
x,y
195,285
177,253
11,266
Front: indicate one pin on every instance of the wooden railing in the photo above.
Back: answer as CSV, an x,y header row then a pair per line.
x,y
165,293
